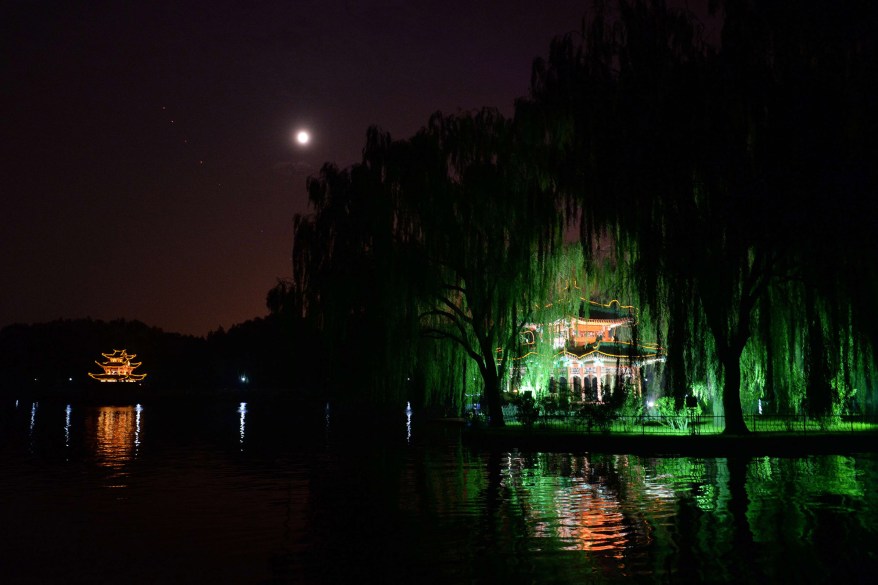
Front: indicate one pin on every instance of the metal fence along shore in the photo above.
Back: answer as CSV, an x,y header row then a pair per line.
x,y
696,424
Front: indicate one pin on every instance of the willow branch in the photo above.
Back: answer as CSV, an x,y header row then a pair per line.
x,y
434,333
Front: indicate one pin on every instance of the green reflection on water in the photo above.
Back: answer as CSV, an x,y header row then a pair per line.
x,y
818,512
718,520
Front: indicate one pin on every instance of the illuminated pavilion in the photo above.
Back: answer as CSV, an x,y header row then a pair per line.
x,y
590,355
118,367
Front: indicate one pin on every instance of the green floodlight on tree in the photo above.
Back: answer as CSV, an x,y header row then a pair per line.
x,y
677,176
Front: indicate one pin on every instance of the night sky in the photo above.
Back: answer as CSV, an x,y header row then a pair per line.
x,y
149,169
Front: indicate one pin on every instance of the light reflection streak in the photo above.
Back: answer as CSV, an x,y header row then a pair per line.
x,y
33,422
67,412
408,422
137,410
116,430
591,505
598,522
243,410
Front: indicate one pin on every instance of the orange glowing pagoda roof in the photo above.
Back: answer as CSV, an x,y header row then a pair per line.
x,y
118,368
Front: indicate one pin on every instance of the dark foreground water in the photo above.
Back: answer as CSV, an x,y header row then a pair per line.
x,y
270,492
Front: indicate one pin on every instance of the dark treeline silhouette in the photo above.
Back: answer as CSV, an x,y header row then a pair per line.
x,y
725,185
59,354
272,352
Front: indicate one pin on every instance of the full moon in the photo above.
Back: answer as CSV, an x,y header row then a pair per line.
x,y
302,137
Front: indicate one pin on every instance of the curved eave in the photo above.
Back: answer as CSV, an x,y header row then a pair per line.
x,y
114,378
119,353
642,359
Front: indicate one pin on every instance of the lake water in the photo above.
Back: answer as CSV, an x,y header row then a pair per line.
x,y
220,491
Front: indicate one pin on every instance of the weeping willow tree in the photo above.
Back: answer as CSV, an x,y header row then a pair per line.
x,y
426,257
736,182
488,227
351,259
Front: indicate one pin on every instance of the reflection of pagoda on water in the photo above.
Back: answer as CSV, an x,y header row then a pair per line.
x,y
118,368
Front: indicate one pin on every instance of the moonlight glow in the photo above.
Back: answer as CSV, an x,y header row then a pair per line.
x,y
303,137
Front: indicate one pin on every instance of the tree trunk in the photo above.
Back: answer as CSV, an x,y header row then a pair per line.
x,y
730,342
492,395
731,360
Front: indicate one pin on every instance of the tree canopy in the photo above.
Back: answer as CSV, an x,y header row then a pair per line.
x,y
736,180
726,184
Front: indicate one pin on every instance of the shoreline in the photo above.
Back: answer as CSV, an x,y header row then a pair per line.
x,y
766,443
759,443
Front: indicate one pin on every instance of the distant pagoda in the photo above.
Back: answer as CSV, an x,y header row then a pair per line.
x,y
118,368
